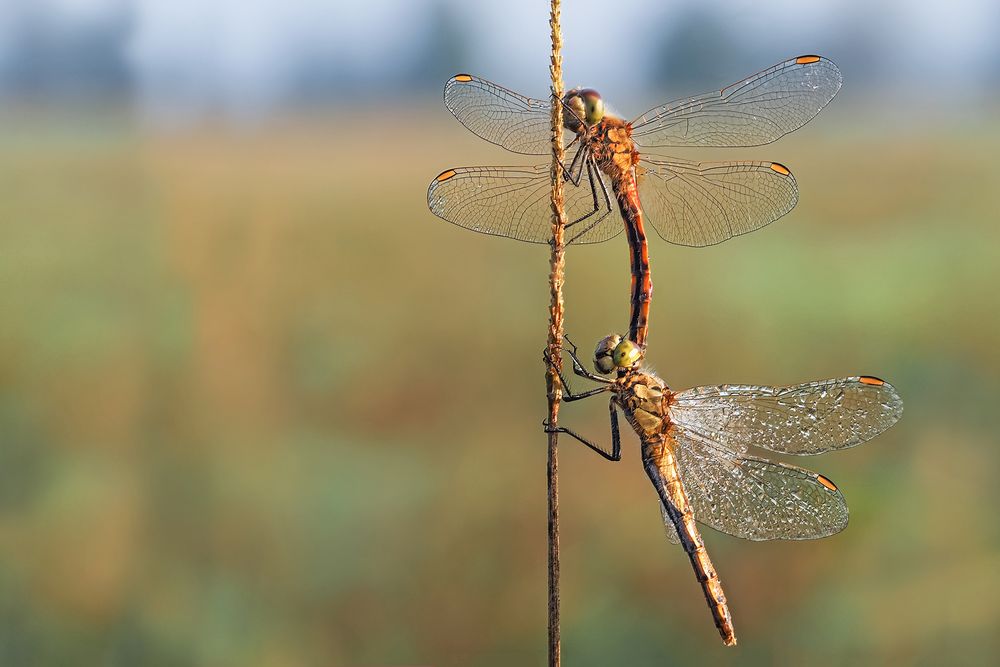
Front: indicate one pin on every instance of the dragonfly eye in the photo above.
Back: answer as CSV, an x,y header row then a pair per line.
x,y
576,111
594,104
627,354
604,354
584,104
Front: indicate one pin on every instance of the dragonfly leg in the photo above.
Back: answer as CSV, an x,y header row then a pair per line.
x,y
597,205
574,168
578,368
604,186
568,394
569,397
593,192
614,455
616,438
591,171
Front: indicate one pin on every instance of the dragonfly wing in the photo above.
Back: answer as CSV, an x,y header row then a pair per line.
x,y
518,123
515,202
703,203
754,498
751,112
803,419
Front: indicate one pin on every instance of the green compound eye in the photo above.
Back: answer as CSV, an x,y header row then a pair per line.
x,y
594,104
626,354
584,104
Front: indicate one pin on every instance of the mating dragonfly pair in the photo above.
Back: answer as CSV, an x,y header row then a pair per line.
x,y
695,443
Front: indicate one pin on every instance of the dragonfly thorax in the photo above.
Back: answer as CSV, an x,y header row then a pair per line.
x,y
641,395
611,144
643,398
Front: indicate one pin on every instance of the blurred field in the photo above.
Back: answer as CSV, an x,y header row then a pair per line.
x,y
259,407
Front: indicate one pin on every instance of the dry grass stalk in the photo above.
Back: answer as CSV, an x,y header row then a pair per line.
x,y
557,264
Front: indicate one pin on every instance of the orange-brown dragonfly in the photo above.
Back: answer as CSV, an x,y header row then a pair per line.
x,y
695,446
688,203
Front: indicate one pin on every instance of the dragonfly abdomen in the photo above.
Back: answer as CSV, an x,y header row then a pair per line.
x,y
661,466
627,195
617,156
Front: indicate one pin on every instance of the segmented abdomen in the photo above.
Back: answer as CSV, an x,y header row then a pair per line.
x,y
627,194
661,466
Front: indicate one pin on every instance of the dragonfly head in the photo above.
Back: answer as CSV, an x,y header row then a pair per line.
x,y
587,105
614,352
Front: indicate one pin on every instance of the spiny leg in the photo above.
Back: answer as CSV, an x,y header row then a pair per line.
x,y
616,439
616,449
593,169
578,368
591,172
596,209
575,171
568,394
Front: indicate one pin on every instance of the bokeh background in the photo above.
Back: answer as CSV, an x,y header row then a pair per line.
x,y
259,407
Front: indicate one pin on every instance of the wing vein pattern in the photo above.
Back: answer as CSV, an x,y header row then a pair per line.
x,y
751,112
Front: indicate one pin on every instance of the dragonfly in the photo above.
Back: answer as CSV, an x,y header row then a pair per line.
x,y
687,203
695,449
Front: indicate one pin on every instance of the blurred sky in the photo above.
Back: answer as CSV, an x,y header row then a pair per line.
x,y
251,57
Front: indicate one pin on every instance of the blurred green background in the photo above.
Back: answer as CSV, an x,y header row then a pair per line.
x,y
259,407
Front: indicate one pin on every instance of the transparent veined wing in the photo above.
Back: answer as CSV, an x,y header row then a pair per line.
x,y
803,419
515,202
703,203
754,498
518,123
751,112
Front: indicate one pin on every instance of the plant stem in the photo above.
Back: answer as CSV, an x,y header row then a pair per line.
x,y
557,264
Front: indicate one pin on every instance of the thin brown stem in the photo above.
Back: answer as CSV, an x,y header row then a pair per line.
x,y
557,263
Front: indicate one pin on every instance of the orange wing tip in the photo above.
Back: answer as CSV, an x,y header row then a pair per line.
x,y
805,60
826,482
445,175
462,78
780,168
868,379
